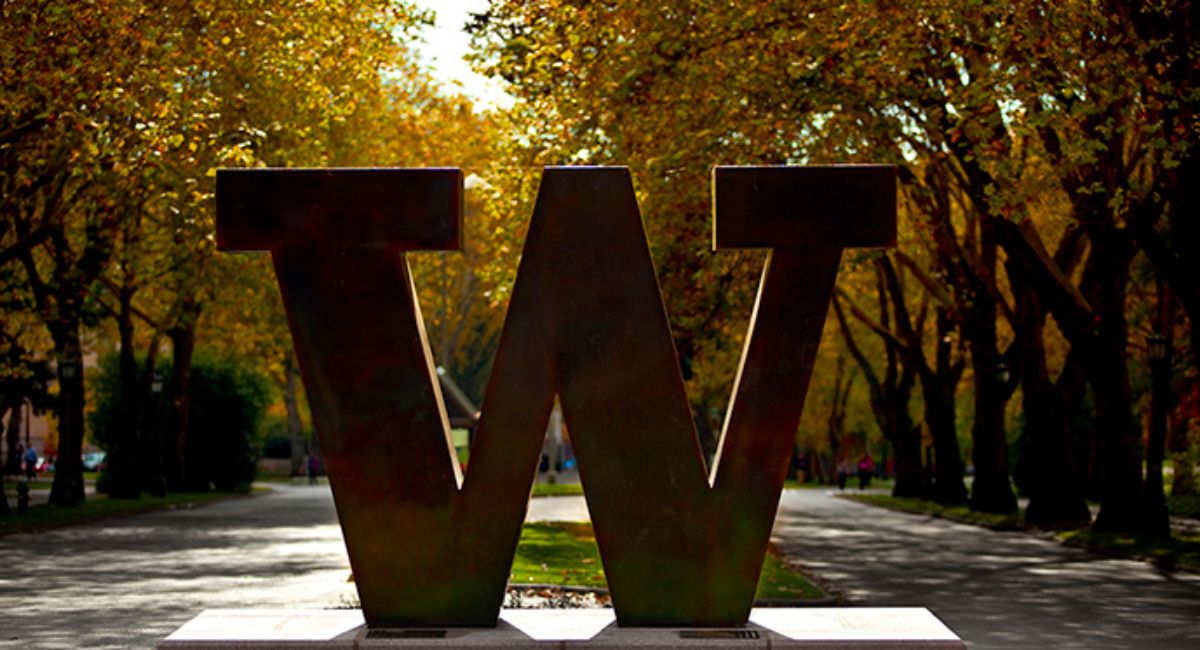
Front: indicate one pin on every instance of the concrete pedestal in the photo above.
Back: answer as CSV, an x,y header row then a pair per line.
x,y
842,627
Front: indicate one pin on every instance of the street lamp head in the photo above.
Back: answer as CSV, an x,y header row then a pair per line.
x,y
1002,373
1156,347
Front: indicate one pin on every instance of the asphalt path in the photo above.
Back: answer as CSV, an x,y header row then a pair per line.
x,y
127,583
995,589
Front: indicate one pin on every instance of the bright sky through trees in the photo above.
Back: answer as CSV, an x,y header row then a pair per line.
x,y
445,46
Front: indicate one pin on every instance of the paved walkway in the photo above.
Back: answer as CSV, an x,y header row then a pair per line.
x,y
573,508
126,583
996,590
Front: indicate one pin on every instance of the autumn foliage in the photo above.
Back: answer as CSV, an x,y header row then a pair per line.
x,y
1048,167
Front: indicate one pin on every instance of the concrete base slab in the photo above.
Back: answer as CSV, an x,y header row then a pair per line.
x,y
809,628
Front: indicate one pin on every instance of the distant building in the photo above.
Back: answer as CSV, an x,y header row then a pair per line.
x,y
38,430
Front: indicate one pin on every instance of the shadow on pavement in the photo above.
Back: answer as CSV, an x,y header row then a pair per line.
x,y
995,589
129,582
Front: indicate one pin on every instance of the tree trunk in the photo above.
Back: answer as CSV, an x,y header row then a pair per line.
x,y
890,396
4,408
1194,334
1172,249
1055,495
991,491
155,480
1156,521
124,449
906,441
836,423
910,473
1120,506
939,386
67,490
1055,492
1094,485
12,460
291,404
948,486
183,344
820,467
1121,499
942,481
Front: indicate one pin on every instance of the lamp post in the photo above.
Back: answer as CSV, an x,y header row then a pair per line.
x,y
36,397
28,404
70,390
1157,350
158,488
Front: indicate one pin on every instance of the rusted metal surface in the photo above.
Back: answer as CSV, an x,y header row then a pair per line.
x,y
586,322
422,553
804,208
343,209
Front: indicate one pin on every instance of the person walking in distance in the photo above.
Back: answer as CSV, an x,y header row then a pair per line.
x,y
866,467
31,459
844,469
314,466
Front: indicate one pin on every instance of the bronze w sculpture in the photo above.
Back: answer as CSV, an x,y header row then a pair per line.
x,y
680,545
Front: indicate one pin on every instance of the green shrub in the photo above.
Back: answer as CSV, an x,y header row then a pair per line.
x,y
275,440
277,447
227,401
1184,464
227,405
104,420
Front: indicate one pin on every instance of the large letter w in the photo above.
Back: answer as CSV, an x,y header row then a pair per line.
x,y
586,323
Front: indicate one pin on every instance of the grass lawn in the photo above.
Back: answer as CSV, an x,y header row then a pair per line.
x,y
556,489
43,517
290,480
565,489
778,580
39,483
811,484
539,489
956,513
1184,505
558,554
1179,552
566,554
42,481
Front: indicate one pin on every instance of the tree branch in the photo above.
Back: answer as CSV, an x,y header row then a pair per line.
x,y
859,357
933,288
862,317
26,243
